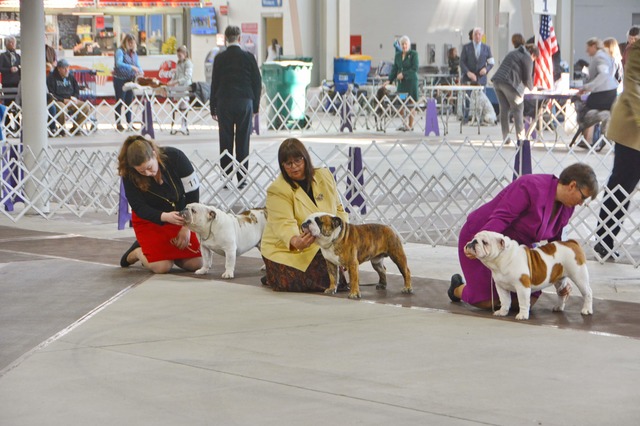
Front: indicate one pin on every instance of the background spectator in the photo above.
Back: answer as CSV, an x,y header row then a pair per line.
x,y
236,85
624,130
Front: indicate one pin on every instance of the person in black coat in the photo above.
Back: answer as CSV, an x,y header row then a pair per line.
x,y
64,90
236,85
10,65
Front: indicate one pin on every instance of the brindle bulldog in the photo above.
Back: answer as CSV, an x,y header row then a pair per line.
x,y
348,245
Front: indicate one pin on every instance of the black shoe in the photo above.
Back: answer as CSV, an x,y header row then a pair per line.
x,y
456,281
120,127
242,185
604,251
343,286
583,144
263,280
123,260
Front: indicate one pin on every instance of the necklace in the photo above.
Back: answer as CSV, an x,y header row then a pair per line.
x,y
172,203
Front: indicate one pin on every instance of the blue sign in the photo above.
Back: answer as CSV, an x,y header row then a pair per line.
x,y
271,3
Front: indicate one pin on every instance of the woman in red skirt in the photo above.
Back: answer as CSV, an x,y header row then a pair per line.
x,y
159,183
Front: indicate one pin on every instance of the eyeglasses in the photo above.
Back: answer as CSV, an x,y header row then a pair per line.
x,y
295,162
584,197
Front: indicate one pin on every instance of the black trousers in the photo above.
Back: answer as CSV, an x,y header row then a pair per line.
x,y
235,123
125,96
625,173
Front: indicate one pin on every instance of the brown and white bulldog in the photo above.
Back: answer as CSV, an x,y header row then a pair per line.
x,y
348,245
520,269
227,234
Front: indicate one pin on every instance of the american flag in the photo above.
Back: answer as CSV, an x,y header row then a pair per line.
x,y
548,45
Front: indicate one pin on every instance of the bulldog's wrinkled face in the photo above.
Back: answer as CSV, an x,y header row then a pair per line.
x,y
197,213
322,225
485,245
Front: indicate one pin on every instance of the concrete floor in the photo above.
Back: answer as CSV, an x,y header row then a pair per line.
x,y
83,341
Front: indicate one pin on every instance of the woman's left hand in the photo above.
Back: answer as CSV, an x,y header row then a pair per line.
x,y
400,76
181,240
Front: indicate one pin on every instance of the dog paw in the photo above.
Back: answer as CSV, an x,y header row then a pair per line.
x,y
407,290
354,296
586,311
558,308
381,286
522,316
330,291
202,271
227,275
501,313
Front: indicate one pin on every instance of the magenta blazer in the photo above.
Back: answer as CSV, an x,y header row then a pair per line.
x,y
521,211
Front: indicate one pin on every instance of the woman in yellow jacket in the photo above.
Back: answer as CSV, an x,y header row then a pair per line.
x,y
293,261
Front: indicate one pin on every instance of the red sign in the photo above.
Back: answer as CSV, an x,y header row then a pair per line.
x,y
166,71
99,22
224,10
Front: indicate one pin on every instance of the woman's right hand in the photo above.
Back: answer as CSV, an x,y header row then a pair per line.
x,y
302,241
172,217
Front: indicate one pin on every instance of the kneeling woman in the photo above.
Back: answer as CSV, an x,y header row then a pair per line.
x,y
159,183
292,259
531,209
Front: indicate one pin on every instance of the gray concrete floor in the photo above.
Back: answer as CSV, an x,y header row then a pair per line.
x,y
140,349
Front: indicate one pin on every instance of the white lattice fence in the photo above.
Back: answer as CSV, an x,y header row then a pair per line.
x,y
321,111
424,190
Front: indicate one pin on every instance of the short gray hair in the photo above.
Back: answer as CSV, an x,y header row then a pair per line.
x,y
595,41
403,39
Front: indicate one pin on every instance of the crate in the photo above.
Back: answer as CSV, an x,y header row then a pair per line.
x,y
359,65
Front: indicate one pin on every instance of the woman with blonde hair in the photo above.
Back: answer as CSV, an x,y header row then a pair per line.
x,y
127,69
159,183
601,85
611,46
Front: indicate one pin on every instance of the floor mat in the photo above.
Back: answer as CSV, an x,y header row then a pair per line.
x,y
610,317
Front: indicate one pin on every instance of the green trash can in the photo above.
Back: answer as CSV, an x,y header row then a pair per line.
x,y
289,78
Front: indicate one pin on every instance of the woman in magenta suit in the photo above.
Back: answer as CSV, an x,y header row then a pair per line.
x,y
531,209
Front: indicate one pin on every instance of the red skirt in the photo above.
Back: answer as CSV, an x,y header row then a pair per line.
x,y
155,240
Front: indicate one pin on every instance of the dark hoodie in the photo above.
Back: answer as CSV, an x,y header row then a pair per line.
x,y
62,88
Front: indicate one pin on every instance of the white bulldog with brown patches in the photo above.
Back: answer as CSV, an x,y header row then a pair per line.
x,y
522,270
226,234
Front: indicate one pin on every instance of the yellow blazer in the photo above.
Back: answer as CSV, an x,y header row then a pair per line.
x,y
288,208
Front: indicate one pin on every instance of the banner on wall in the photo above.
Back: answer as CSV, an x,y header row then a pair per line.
x,y
249,37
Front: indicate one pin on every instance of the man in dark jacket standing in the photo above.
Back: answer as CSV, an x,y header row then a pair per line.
x,y
10,64
235,96
476,60
64,90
